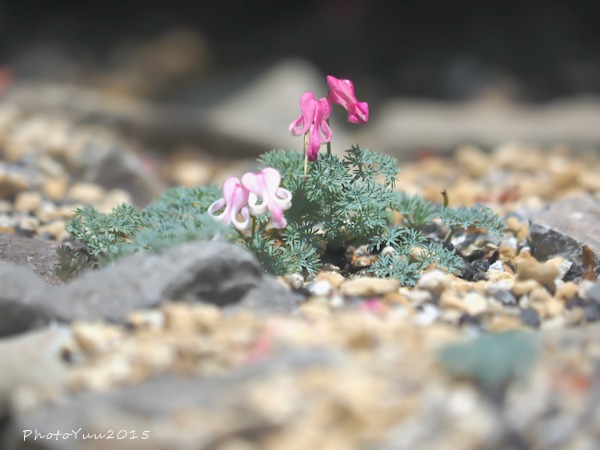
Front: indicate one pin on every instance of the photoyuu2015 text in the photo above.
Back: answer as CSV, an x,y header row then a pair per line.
x,y
79,434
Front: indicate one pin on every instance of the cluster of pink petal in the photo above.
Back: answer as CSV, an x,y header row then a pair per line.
x,y
312,122
241,199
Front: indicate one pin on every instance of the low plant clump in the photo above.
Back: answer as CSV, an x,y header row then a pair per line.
x,y
298,212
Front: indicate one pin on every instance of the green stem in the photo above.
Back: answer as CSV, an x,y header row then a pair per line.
x,y
328,144
253,228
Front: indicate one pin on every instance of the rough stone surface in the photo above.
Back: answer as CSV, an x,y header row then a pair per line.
x,y
36,254
563,228
32,361
408,124
268,297
120,169
168,400
212,272
593,294
22,300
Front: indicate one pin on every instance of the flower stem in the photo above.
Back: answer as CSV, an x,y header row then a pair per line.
x,y
445,197
253,228
328,144
305,154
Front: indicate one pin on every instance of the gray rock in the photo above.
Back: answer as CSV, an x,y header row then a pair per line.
x,y
269,297
120,168
263,105
32,361
566,226
38,255
411,125
244,114
212,272
204,271
593,294
218,406
22,300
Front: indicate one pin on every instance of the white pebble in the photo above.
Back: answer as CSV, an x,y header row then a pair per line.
x,y
428,315
497,266
321,288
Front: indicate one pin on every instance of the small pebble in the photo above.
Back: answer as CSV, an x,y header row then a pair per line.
x,y
178,317
28,201
497,267
148,319
567,291
469,320
530,317
522,288
418,297
369,287
504,296
55,229
96,337
429,313
294,280
435,282
591,313
28,224
321,288
87,193
55,188
333,278
544,273
503,322
475,303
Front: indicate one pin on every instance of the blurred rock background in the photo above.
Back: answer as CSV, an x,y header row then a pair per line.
x,y
225,77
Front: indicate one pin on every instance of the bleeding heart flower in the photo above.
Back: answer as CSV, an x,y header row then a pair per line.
x,y
235,201
342,93
313,123
265,185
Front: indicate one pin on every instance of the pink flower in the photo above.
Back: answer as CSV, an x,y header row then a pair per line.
x,y
265,185
313,123
234,202
342,93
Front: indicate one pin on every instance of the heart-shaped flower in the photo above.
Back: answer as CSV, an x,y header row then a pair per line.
x,y
341,92
313,123
234,203
265,186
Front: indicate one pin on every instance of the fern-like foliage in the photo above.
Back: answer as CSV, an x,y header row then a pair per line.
x,y
443,258
177,216
398,265
398,238
479,216
101,233
339,202
369,165
415,210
